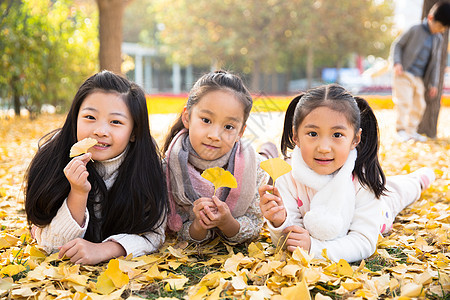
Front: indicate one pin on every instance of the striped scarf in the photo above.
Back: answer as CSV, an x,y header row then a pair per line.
x,y
185,184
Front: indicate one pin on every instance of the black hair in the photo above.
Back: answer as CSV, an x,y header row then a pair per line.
x,y
441,12
137,201
358,113
213,81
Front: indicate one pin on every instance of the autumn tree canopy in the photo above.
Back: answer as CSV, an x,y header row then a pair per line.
x,y
45,59
270,36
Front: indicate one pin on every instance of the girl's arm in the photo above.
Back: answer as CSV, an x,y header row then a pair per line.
x,y
139,245
185,233
81,251
62,229
250,223
77,174
361,239
288,193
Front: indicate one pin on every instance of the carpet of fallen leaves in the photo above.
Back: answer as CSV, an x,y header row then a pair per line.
x,y
412,262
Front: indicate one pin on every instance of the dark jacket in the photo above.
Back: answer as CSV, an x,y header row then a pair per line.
x,y
407,46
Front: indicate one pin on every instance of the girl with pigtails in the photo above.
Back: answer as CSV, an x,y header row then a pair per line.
x,y
336,197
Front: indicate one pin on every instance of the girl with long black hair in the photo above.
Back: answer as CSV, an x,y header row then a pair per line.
x,y
111,201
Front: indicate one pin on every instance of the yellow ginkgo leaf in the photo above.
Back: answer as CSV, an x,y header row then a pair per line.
x,y
82,146
297,291
7,240
12,270
344,268
115,274
275,167
104,284
111,279
220,178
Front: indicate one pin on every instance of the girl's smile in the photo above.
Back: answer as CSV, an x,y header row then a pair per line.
x,y
323,161
211,147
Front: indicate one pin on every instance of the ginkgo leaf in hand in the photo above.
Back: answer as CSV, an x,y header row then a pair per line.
x,y
82,146
220,178
275,167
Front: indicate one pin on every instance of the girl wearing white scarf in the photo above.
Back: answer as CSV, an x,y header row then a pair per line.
x,y
336,198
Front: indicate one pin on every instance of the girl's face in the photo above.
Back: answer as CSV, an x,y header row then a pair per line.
x,y
325,138
215,123
106,118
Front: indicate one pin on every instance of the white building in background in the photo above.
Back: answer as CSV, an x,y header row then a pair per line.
x,y
407,13
144,71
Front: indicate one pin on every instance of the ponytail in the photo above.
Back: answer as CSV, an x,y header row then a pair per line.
x,y
288,134
176,127
367,166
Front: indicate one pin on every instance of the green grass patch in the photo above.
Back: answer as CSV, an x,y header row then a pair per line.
x,y
378,263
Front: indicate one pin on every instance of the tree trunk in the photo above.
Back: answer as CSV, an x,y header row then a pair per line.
x,y
110,33
309,65
338,70
254,85
288,75
274,83
428,125
16,95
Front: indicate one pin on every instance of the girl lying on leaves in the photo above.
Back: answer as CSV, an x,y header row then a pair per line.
x,y
110,201
206,135
336,197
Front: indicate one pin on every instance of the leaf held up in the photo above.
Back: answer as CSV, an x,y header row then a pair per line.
x,y
82,146
275,167
220,178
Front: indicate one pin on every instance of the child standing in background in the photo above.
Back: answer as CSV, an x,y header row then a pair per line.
x,y
336,197
417,59
208,134
111,201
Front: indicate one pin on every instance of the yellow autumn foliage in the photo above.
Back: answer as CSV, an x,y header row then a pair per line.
x,y
411,262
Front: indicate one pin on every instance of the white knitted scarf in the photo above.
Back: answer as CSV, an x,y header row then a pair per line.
x,y
332,207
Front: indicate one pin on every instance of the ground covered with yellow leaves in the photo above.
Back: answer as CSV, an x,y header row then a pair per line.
x,y
412,262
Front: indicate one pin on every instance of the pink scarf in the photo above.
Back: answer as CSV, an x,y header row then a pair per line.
x,y
185,185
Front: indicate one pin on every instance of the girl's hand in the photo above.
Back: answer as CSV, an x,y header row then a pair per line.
x,y
271,205
81,251
211,212
77,174
214,213
199,209
198,229
297,237
222,218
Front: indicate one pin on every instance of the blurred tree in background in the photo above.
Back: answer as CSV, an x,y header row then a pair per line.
x,y
272,36
48,47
